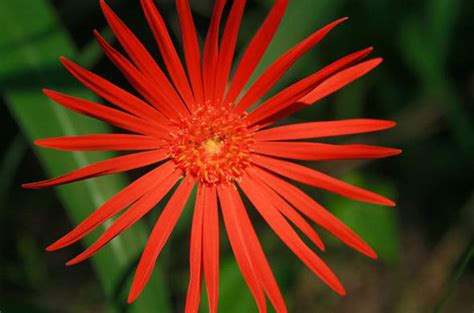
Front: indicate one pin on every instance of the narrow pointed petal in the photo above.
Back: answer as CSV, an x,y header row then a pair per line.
x,y
195,255
319,180
211,247
291,214
109,115
115,205
130,216
314,211
268,79
112,93
192,52
106,167
322,129
339,80
120,142
254,52
263,269
227,49
160,234
139,54
168,52
287,101
281,227
211,51
233,219
171,107
321,152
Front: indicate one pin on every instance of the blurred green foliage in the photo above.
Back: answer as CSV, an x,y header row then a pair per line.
x,y
23,50
426,84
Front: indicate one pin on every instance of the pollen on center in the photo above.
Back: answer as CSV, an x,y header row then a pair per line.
x,y
213,145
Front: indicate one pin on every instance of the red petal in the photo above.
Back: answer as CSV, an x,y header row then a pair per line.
x,y
314,211
112,93
339,80
254,52
234,216
139,54
263,269
291,214
211,51
322,129
319,180
227,49
211,247
109,115
169,105
195,255
160,234
191,48
268,79
101,142
288,101
281,227
106,167
168,52
131,216
320,151
114,205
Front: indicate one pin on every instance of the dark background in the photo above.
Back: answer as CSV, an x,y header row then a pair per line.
x,y
426,84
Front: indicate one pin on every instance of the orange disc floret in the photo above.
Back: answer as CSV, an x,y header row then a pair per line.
x,y
213,145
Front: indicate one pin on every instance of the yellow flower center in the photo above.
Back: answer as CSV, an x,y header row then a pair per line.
x,y
213,146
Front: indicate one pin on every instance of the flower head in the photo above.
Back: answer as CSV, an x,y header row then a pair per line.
x,y
213,145
200,129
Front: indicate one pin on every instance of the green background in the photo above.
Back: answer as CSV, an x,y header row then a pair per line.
x,y
426,84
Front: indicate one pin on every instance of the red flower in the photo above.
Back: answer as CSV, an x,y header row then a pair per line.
x,y
194,125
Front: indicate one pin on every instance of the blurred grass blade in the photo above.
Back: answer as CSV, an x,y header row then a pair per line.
x,y
9,163
31,41
465,260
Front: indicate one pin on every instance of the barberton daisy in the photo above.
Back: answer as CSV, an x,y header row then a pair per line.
x,y
200,129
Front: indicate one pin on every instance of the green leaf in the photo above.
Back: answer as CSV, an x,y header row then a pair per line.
x,y
443,15
9,164
32,39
